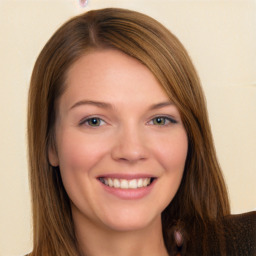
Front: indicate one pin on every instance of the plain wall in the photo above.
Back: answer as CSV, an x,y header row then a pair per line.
x,y
220,36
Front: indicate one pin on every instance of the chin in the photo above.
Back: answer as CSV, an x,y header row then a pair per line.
x,y
131,220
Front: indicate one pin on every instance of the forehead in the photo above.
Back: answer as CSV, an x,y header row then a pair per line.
x,y
113,76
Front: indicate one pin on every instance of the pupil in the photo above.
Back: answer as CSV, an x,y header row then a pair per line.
x,y
94,121
159,120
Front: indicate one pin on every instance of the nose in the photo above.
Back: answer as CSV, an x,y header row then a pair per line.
x,y
129,146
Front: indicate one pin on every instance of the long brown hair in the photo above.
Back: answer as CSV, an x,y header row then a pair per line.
x,y
202,196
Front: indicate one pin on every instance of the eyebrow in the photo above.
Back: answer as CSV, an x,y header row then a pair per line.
x,y
161,105
100,104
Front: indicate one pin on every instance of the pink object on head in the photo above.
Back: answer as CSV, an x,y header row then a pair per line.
x,y
83,3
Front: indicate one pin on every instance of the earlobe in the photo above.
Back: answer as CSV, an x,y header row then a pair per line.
x,y
53,157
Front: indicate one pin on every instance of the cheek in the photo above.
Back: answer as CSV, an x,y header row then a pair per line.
x,y
79,153
172,151
172,157
78,156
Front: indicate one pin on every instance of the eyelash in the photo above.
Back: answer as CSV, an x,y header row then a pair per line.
x,y
87,120
167,119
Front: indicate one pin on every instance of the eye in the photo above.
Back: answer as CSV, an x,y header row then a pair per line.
x,y
162,120
93,121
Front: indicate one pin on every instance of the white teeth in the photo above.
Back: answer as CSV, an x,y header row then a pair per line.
x,y
140,183
126,184
110,182
116,183
133,184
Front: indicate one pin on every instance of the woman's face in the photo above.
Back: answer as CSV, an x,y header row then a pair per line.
x,y
121,144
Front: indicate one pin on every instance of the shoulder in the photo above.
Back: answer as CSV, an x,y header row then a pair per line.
x,y
232,235
248,218
240,224
238,234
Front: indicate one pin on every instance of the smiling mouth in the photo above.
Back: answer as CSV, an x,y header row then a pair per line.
x,y
127,184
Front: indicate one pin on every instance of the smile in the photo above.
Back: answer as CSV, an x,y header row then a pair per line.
x,y
126,184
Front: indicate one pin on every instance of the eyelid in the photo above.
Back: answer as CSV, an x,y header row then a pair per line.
x,y
171,119
88,118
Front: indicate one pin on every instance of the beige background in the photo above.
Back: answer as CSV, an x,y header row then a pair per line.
x,y
221,39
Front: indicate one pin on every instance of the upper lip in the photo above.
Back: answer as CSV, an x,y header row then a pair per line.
x,y
127,176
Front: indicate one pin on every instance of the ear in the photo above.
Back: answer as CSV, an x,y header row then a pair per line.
x,y
53,157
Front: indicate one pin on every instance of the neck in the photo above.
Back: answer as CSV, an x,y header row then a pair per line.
x,y
94,240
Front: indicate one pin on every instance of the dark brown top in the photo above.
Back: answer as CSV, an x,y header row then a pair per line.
x,y
235,235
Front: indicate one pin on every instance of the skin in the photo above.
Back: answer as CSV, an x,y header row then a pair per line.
x,y
127,140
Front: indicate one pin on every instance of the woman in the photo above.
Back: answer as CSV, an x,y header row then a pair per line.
x,y
121,156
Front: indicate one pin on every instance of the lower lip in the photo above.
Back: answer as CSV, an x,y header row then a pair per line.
x,y
129,194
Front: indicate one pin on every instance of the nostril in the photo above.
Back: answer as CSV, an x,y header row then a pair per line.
x,y
129,145
128,154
